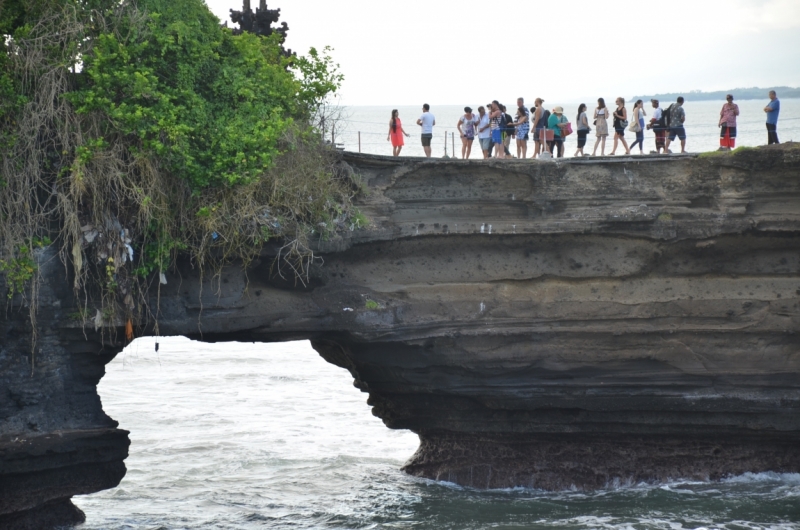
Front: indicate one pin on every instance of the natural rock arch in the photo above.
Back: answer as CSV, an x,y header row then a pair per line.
x,y
537,324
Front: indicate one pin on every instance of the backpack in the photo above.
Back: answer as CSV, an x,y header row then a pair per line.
x,y
545,117
666,116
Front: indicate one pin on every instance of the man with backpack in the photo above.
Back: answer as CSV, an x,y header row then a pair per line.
x,y
674,118
539,121
658,126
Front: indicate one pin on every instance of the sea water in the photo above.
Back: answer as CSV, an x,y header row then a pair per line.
x,y
250,436
702,130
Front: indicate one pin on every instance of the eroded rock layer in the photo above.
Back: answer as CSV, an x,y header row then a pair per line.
x,y
541,324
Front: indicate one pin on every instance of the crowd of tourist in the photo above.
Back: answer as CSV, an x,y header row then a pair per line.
x,y
495,128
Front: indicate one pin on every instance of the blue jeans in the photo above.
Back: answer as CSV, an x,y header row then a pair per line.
x,y
639,136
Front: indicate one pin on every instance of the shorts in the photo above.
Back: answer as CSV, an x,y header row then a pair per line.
x,y
680,132
725,129
497,136
426,140
620,130
486,143
537,134
468,138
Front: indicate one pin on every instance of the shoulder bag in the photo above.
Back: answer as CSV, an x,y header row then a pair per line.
x,y
635,127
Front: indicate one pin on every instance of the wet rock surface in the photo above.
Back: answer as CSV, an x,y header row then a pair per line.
x,y
543,324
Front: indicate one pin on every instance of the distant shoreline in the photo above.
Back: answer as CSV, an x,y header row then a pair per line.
x,y
739,94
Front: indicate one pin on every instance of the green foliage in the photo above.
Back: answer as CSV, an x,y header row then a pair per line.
x,y
372,305
743,149
174,136
212,105
79,315
320,76
159,251
712,154
18,271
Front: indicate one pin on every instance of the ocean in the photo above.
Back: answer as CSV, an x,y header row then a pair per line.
x,y
251,436
702,131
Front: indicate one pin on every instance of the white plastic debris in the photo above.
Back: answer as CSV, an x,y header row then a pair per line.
x,y
347,309
162,278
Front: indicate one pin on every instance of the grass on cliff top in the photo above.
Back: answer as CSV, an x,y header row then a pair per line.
x,y
737,151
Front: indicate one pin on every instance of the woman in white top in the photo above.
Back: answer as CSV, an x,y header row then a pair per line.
x,y
466,128
601,126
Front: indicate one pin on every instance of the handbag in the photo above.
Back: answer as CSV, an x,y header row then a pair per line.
x,y
566,130
623,123
549,135
635,127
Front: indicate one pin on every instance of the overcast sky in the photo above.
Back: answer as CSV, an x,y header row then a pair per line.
x,y
467,52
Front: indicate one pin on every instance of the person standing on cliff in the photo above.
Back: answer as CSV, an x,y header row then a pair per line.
x,y
466,128
396,133
426,121
657,124
539,121
676,118
497,124
727,124
772,109
522,127
484,132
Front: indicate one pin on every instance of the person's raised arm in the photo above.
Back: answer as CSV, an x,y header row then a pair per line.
x,y
419,122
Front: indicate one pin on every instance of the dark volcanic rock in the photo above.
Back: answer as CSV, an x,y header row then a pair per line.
x,y
543,324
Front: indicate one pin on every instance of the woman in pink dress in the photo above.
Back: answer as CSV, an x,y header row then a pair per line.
x,y
396,133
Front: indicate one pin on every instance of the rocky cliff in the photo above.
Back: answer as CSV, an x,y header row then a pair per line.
x,y
544,324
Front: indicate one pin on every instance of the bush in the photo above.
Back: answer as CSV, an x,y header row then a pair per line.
x,y
132,133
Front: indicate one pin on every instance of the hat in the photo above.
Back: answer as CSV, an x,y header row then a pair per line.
x,y
559,110
654,100
467,109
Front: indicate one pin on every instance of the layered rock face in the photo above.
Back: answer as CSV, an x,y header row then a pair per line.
x,y
542,324
55,439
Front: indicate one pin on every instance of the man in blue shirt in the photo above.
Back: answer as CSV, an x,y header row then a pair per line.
x,y
772,109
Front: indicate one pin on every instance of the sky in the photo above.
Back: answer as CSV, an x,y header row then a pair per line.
x,y
406,52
